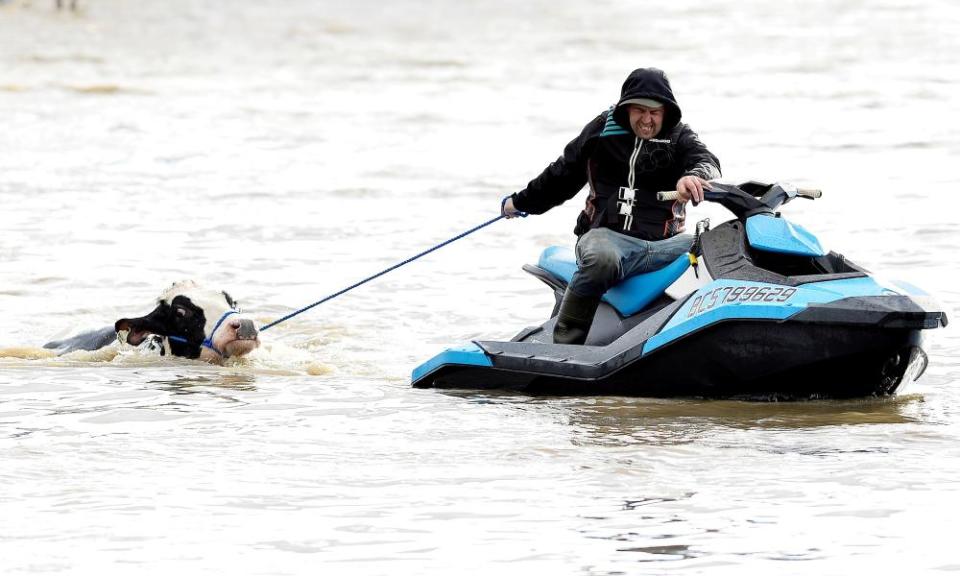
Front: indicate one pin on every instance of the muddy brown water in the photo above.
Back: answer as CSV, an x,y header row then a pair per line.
x,y
282,152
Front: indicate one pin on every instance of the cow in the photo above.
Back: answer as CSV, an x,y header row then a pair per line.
x,y
189,321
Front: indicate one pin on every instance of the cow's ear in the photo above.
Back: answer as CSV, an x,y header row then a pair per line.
x,y
139,328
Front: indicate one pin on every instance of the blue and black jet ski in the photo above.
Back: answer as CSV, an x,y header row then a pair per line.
x,y
758,309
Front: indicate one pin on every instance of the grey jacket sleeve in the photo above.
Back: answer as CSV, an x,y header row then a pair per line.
x,y
696,159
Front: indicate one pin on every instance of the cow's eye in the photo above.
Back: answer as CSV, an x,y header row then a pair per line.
x,y
182,312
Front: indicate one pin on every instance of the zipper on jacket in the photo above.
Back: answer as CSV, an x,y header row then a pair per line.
x,y
637,146
628,194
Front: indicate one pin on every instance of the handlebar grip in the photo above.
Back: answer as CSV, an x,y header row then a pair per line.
x,y
667,195
811,193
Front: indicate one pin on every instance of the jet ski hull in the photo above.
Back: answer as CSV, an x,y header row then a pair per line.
x,y
755,360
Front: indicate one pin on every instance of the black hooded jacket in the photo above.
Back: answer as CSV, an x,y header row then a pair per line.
x,y
601,156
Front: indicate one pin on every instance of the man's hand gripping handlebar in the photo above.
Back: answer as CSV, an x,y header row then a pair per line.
x,y
673,195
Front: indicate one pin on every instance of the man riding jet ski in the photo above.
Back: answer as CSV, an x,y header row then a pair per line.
x,y
756,309
626,154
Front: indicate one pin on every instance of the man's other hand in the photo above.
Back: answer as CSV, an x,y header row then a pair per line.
x,y
691,188
507,209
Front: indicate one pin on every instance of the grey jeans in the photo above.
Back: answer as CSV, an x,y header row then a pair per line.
x,y
605,257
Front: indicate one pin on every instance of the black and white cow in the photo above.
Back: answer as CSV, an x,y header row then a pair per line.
x,y
189,321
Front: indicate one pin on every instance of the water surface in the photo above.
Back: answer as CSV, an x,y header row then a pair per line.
x,y
282,152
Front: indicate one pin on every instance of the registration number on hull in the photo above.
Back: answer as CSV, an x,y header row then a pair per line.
x,y
738,294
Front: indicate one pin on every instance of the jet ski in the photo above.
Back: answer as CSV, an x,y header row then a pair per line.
x,y
758,309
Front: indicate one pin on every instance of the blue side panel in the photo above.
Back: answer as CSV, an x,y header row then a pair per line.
x,y
733,299
467,355
628,297
778,235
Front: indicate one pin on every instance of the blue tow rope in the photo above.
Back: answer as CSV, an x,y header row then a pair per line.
x,y
381,273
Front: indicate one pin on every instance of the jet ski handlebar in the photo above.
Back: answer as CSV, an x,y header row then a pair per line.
x,y
671,195
771,195
811,193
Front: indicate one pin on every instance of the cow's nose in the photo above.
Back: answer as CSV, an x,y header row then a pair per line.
x,y
246,329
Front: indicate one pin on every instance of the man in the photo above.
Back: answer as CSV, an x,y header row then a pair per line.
x,y
627,154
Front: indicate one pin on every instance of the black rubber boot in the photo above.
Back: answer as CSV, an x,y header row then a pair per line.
x,y
574,318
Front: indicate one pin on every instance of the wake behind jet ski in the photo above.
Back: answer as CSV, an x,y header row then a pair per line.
x,y
758,309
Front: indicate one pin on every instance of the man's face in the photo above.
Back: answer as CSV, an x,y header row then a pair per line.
x,y
646,122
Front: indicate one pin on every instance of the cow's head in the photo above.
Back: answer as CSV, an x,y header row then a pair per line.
x,y
197,323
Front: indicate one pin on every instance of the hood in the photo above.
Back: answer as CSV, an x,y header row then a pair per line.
x,y
648,83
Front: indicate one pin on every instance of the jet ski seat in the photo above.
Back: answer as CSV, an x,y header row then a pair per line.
x,y
628,297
